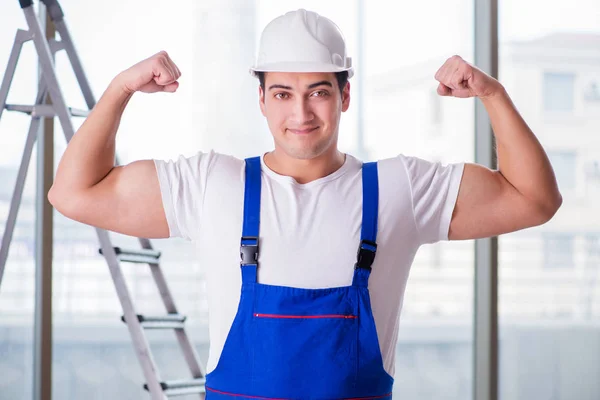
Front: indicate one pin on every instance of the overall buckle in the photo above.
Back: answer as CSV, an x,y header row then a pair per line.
x,y
366,254
249,250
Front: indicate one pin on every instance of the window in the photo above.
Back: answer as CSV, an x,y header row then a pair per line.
x,y
565,168
92,352
403,113
558,250
591,294
592,93
592,243
592,171
548,294
559,91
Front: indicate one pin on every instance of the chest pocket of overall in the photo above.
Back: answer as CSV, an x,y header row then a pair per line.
x,y
303,336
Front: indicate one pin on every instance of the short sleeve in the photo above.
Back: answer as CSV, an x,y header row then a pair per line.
x,y
434,190
182,185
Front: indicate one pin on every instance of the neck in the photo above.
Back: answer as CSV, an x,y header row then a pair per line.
x,y
305,171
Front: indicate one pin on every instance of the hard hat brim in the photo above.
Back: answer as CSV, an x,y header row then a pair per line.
x,y
300,67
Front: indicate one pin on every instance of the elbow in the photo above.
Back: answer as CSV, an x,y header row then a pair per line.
x,y
52,196
550,207
58,200
555,202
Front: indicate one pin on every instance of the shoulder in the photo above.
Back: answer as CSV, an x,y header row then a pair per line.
x,y
394,169
205,163
418,171
403,163
195,172
225,165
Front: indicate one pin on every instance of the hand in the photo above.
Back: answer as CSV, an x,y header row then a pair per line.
x,y
458,78
154,74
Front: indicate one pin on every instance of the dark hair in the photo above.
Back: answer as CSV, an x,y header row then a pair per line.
x,y
341,77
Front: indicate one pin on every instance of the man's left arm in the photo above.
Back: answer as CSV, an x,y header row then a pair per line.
x,y
523,191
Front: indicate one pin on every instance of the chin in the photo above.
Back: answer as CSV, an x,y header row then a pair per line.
x,y
304,153
305,148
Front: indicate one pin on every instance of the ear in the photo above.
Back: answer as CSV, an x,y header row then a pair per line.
x,y
346,97
261,100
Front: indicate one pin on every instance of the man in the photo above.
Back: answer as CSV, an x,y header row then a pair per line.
x,y
304,315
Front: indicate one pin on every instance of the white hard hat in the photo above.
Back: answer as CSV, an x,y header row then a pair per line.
x,y
302,41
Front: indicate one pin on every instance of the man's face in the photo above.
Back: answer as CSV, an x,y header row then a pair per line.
x,y
303,111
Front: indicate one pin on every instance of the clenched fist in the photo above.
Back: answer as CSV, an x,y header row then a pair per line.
x,y
155,74
458,78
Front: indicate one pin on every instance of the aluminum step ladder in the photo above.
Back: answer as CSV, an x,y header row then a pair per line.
x,y
49,87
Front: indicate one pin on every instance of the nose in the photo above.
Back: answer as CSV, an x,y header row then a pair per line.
x,y
302,113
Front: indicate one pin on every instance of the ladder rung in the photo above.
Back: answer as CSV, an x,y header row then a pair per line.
x,y
163,325
169,321
43,110
78,112
140,256
182,387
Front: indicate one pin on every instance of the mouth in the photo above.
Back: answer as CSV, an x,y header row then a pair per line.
x,y
303,131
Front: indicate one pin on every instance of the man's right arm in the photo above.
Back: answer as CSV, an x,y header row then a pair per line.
x,y
88,187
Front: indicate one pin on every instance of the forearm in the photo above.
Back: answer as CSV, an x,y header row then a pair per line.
x,y
90,154
521,158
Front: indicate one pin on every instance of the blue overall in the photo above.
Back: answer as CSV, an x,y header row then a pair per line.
x,y
293,343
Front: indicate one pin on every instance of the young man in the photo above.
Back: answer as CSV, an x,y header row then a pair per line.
x,y
304,315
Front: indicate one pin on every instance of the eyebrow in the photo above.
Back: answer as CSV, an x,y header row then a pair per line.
x,y
314,85
311,86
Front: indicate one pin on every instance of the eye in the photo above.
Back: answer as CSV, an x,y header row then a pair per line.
x,y
281,96
320,93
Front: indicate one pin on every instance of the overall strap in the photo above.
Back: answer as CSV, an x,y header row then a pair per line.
x,y
368,234
249,242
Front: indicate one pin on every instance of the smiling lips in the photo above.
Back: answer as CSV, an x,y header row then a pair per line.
x,y
303,131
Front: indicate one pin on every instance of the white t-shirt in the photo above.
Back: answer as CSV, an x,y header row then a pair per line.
x,y
309,232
